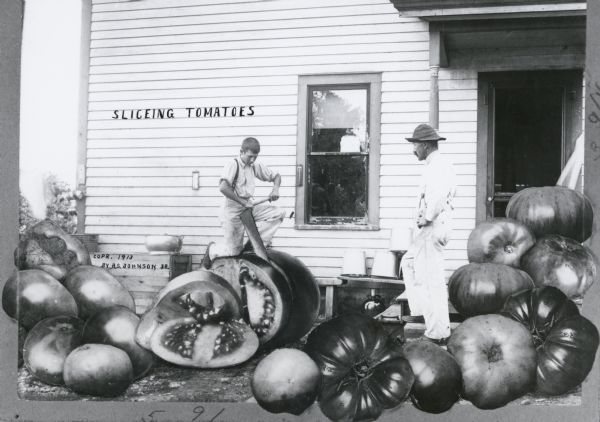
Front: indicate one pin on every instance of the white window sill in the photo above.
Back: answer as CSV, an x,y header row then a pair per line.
x,y
347,227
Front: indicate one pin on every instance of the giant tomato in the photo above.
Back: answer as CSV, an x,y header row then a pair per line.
x,y
281,296
476,289
287,380
363,369
497,359
94,288
47,247
553,210
566,341
558,261
30,296
500,240
438,379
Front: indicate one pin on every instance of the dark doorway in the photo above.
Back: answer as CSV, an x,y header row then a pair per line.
x,y
531,121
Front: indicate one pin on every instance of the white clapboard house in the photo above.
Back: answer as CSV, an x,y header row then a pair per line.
x,y
331,88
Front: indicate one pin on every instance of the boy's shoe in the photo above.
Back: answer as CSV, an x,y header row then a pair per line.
x,y
438,341
206,261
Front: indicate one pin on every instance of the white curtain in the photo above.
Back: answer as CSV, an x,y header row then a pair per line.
x,y
572,174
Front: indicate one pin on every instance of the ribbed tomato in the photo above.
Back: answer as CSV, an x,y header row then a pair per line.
x,y
566,341
558,261
476,289
553,210
500,240
497,359
363,369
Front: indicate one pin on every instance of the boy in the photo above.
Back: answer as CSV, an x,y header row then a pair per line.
x,y
237,185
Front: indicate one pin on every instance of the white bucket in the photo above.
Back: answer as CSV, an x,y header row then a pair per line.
x,y
385,264
354,263
401,238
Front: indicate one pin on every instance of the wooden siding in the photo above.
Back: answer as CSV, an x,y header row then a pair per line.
x,y
193,53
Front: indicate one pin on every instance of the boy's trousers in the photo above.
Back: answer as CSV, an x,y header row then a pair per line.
x,y
268,218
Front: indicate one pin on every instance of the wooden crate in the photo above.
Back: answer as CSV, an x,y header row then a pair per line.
x,y
143,274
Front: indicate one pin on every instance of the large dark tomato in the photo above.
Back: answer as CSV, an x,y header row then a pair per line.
x,y
476,289
500,240
30,296
280,298
553,210
497,358
265,293
47,247
204,344
362,367
190,294
98,370
195,320
305,295
286,381
438,378
47,346
566,341
116,326
94,288
558,261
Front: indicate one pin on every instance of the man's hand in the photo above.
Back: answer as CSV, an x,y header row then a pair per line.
x,y
274,194
422,221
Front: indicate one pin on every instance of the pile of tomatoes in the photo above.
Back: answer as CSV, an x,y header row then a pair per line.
x,y
78,328
76,322
522,333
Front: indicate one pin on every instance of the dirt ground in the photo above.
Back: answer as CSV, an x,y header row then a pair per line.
x,y
168,382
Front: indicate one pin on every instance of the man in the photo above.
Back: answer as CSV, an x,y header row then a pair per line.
x,y
423,263
237,186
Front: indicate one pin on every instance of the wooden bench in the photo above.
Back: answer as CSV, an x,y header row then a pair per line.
x,y
393,286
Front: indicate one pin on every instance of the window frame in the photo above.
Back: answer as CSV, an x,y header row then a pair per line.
x,y
341,81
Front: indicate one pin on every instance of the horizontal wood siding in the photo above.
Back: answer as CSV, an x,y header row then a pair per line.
x,y
209,53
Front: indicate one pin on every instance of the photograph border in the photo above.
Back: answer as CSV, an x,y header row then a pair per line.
x,y
13,408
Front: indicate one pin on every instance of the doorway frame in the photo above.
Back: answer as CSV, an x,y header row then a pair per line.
x,y
571,119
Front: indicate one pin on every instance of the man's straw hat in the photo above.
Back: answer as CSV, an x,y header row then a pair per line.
x,y
424,133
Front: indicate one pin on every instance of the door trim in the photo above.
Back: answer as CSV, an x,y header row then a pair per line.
x,y
572,125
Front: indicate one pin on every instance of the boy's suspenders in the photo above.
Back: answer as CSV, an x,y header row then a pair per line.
x,y
237,171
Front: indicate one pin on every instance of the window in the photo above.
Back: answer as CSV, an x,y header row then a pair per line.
x,y
338,152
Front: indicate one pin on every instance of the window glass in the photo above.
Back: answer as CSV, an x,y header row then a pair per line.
x,y
339,120
338,188
337,156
